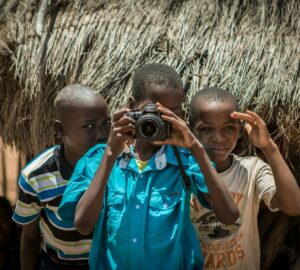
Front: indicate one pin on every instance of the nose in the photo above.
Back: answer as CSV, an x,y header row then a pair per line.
x,y
218,137
99,133
102,133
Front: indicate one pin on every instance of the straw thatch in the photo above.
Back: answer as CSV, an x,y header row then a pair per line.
x,y
249,47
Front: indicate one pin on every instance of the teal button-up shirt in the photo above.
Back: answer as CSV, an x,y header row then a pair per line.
x,y
145,219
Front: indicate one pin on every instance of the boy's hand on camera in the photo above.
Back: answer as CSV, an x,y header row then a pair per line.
x,y
255,127
122,131
181,134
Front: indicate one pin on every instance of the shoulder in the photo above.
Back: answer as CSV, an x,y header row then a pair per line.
x,y
256,168
93,155
188,161
41,164
96,152
186,157
41,177
89,163
250,162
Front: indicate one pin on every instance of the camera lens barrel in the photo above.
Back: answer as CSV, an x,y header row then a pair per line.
x,y
149,126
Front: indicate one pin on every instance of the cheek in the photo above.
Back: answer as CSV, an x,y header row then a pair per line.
x,y
200,136
77,139
87,137
72,138
235,136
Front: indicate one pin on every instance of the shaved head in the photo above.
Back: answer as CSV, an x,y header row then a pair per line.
x,y
74,96
81,120
207,96
154,76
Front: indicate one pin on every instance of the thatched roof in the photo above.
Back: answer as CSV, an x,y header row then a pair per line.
x,y
249,47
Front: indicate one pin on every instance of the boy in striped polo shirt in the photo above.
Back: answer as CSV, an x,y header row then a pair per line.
x,y
81,121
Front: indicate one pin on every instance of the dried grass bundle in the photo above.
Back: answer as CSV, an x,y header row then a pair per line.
x,y
248,47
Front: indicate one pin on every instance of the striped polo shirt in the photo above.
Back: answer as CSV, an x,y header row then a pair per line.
x,y
42,183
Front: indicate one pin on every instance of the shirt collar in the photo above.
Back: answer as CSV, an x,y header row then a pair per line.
x,y
165,155
64,168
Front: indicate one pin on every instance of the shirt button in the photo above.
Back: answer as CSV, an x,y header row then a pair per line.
x,y
141,175
134,240
165,205
137,207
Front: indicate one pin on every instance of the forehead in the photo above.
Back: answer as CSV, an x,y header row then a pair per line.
x,y
166,95
96,105
215,112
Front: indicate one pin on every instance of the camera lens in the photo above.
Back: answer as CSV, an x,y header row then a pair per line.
x,y
148,129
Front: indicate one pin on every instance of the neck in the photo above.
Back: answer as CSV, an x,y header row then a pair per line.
x,y
144,150
224,165
70,158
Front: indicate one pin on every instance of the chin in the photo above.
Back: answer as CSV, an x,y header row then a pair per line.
x,y
217,158
219,161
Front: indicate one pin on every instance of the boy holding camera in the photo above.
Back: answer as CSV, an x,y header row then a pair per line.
x,y
138,201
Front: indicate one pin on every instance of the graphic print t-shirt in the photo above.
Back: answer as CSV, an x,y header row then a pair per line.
x,y
249,181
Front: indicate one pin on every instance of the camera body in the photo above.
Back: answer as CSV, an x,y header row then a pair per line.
x,y
149,126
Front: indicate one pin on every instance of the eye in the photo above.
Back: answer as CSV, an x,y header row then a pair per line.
x,y
204,129
230,128
89,126
107,121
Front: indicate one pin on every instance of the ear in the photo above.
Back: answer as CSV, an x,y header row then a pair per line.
x,y
131,103
58,131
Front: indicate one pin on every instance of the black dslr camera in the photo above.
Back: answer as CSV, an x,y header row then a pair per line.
x,y
149,126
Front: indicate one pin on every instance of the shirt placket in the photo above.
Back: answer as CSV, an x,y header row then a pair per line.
x,y
136,231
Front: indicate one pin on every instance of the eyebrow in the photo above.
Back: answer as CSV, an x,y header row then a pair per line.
x,y
228,122
87,121
108,118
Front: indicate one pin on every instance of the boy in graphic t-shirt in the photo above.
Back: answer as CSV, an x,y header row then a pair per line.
x,y
215,122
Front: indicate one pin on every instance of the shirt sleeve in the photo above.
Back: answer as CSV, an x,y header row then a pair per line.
x,y
265,184
198,183
81,178
28,206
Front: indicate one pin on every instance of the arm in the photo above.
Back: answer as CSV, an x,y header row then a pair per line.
x,y
27,214
287,197
30,245
90,205
220,198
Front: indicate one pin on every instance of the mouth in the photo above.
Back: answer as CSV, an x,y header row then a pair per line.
x,y
218,150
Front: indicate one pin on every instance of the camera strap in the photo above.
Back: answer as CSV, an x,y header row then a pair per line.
x,y
186,179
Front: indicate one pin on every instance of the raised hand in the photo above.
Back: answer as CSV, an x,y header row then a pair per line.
x,y
181,134
255,127
122,131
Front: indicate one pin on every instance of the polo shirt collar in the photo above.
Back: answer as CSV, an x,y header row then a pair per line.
x,y
64,168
